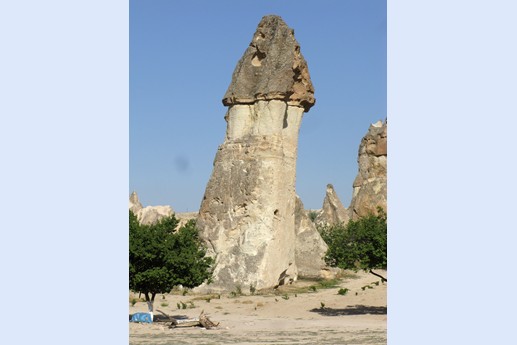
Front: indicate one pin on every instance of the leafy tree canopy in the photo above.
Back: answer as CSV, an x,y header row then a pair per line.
x,y
160,258
361,244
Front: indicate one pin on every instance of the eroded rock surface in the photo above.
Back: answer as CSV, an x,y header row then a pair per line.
x,y
271,68
134,203
185,217
333,211
149,214
247,216
310,248
370,185
152,214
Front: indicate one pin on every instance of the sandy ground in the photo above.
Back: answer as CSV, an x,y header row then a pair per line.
x,y
290,315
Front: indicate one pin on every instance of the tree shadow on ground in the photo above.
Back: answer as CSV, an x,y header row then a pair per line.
x,y
351,310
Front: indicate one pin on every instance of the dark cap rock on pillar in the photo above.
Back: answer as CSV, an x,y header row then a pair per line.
x,y
272,68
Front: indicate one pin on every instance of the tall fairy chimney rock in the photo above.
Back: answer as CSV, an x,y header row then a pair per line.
x,y
370,185
247,216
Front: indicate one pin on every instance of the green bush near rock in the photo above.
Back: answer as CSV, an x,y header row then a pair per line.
x,y
360,244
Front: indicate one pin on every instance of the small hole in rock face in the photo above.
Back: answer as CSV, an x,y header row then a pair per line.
x,y
276,212
256,61
257,58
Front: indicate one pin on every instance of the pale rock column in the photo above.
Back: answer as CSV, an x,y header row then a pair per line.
x,y
247,215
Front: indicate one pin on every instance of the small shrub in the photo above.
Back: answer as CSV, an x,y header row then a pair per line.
x,y
164,304
346,274
313,215
183,305
184,292
178,305
191,305
322,305
343,292
312,288
133,301
285,296
253,289
328,284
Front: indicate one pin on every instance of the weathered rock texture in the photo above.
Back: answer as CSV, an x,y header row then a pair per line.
x,y
247,214
310,247
134,203
150,214
333,211
370,185
272,68
184,217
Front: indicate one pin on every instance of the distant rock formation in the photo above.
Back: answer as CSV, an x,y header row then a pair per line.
x,y
310,247
370,185
184,217
150,214
247,215
333,211
134,203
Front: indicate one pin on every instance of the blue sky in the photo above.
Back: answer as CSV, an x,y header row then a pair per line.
x,y
182,56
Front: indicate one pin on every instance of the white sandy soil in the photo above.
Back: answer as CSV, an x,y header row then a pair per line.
x,y
290,315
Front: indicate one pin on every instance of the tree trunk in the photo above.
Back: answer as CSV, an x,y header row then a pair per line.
x,y
378,275
150,303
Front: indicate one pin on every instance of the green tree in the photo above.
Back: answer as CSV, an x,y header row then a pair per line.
x,y
160,258
361,244
313,215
